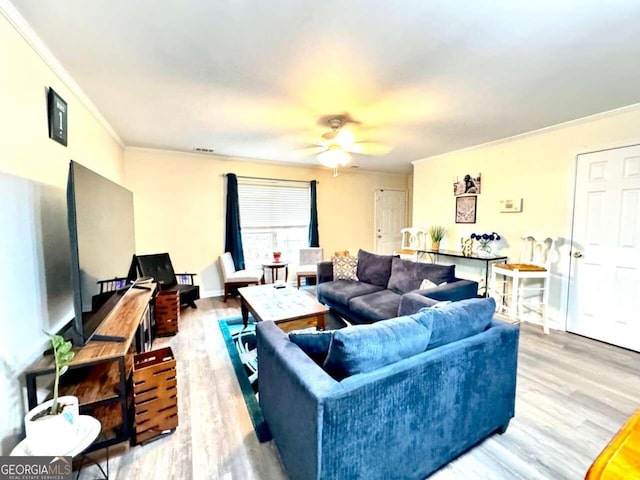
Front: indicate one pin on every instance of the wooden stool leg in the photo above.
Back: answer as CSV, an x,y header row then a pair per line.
x,y
226,292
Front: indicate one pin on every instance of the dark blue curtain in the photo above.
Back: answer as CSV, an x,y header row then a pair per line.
x,y
314,236
233,238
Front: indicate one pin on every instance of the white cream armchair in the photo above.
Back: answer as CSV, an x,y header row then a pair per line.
x,y
237,278
309,259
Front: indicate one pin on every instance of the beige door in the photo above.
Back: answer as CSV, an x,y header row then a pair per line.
x,y
390,217
604,289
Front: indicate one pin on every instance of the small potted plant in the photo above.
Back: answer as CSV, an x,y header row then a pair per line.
x,y
52,426
437,233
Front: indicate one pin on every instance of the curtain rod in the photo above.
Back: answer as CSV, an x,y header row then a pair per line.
x,y
273,179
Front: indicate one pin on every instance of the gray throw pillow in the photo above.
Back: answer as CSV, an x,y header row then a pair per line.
x,y
374,269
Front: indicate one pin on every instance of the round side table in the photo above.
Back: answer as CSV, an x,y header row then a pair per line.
x,y
274,267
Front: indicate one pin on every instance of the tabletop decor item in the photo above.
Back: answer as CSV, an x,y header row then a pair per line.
x,y
276,256
52,426
484,241
437,233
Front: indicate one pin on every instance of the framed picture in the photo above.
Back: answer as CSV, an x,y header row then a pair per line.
x,y
466,209
57,114
467,184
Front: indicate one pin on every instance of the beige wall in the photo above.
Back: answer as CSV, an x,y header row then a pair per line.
x,y
538,167
35,288
179,202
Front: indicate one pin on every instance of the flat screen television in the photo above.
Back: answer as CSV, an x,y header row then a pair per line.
x,y
102,239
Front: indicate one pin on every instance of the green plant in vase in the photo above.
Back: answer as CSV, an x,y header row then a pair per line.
x,y
51,427
437,233
63,355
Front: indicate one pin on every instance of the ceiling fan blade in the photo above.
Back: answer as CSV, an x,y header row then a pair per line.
x,y
309,151
368,148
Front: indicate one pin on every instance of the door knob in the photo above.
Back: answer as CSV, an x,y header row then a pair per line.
x,y
577,254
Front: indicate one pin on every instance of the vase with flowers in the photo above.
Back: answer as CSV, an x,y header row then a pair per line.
x,y
484,242
276,256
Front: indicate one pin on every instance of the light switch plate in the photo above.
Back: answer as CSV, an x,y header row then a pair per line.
x,y
511,205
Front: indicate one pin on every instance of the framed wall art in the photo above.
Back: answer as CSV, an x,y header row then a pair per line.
x,y
57,117
467,185
466,209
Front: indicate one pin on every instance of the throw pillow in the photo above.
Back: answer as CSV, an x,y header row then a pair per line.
x,y
344,268
426,284
314,344
363,348
457,320
407,276
374,269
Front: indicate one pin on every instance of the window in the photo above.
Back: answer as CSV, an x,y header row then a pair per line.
x,y
274,215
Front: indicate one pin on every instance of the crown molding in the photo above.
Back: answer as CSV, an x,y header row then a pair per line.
x,y
533,133
26,32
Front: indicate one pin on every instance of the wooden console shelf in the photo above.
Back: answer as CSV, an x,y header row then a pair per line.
x,y
100,372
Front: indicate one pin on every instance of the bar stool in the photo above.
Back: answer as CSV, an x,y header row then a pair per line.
x,y
535,263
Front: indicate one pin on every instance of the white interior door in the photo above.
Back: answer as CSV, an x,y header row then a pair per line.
x,y
390,218
604,291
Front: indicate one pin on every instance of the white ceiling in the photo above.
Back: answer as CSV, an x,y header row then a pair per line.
x,y
252,78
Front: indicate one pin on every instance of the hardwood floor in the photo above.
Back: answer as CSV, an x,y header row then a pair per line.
x,y
573,395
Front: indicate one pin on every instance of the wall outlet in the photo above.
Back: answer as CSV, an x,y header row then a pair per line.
x,y
511,205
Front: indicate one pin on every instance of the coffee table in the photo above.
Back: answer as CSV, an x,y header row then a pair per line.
x,y
288,307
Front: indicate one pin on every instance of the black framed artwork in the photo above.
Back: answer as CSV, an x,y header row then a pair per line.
x,y
57,113
466,209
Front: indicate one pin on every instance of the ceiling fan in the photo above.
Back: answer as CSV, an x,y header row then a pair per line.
x,y
335,147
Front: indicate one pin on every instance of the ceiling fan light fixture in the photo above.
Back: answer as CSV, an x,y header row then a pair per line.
x,y
334,157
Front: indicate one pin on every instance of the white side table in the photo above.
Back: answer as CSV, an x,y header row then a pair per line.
x,y
88,430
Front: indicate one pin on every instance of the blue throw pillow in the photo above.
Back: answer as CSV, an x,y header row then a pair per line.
x,y
363,348
314,344
457,320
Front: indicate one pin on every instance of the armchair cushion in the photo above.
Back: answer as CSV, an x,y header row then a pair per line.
x,y
363,348
159,267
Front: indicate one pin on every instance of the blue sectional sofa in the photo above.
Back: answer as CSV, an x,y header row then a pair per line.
x,y
382,285
396,399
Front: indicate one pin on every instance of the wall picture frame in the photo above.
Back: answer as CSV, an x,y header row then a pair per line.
x,y
467,185
57,117
466,209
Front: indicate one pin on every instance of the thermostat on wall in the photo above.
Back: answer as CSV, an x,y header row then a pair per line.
x,y
511,206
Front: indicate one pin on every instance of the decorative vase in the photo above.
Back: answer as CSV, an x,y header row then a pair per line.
x,y
484,250
276,257
53,434
435,246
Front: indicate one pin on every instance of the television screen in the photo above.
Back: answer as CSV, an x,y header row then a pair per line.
x,y
101,231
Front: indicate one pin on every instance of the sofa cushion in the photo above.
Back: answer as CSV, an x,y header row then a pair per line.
x,y
344,268
457,320
376,306
341,291
363,348
314,344
407,275
374,269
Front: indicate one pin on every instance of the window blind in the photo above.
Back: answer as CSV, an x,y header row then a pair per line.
x,y
268,206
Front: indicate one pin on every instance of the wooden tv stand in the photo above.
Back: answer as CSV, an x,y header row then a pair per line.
x,y
100,371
